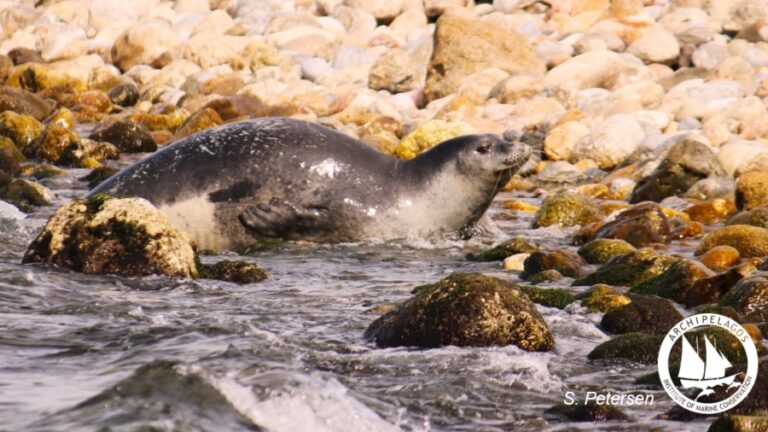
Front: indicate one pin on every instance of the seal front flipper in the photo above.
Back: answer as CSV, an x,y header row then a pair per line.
x,y
279,217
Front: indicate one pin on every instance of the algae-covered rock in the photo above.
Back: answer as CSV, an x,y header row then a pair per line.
x,y
651,315
675,281
551,297
21,129
752,190
750,241
599,251
566,209
86,153
429,135
62,117
588,412
98,175
464,309
241,272
24,194
506,249
105,235
739,423
127,136
720,258
50,144
23,102
756,217
686,163
636,347
749,297
564,261
640,225
41,171
629,269
711,289
602,298
125,94
201,120
10,157
549,275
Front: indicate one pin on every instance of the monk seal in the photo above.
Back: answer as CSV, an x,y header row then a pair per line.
x,y
233,185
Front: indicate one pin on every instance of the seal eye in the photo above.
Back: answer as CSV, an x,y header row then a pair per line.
x,y
483,148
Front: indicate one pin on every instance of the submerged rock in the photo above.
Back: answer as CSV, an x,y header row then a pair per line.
x,y
603,298
651,315
464,309
749,240
599,251
234,271
506,249
629,269
749,297
589,412
105,235
566,209
675,281
550,297
98,175
635,347
24,194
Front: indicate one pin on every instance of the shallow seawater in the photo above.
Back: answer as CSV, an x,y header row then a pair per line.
x,y
82,352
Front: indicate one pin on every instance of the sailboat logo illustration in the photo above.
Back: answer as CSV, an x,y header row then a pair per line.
x,y
704,374
708,382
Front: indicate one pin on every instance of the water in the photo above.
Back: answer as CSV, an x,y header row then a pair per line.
x,y
82,352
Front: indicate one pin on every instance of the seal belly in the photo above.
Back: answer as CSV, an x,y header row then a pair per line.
x,y
197,216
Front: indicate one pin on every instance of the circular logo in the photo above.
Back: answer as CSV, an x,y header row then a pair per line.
x,y
704,374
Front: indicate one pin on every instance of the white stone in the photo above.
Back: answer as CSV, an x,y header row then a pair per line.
x,y
381,10
192,6
611,142
656,46
516,262
67,44
562,139
592,69
737,153
216,22
143,43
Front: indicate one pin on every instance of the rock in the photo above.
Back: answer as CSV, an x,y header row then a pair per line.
x,y
104,235
463,47
566,209
752,190
739,423
62,117
588,412
720,258
594,69
199,121
562,139
686,163
516,262
50,144
209,50
750,241
23,55
550,297
435,8
98,175
399,71
86,153
611,142
550,275
521,206
24,194
650,315
561,172
756,217
428,135
41,171
602,298
565,262
23,102
240,272
144,43
675,281
736,154
124,95
381,10
599,251
127,136
500,252
244,106
711,188
712,211
65,44
640,225
464,309
749,297
629,269
10,157
710,290
655,46
634,347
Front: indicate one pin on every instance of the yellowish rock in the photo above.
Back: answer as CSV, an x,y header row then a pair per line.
x,y
520,206
428,135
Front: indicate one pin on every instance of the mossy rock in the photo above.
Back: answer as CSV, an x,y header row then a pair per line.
x,y
127,136
550,297
504,250
105,235
629,269
564,261
24,194
10,157
738,423
756,217
752,190
599,251
675,281
86,153
51,143
240,272
602,298
62,117
636,347
566,209
41,171
750,241
98,175
712,289
429,135
588,412
650,315
749,297
464,309
21,129
543,276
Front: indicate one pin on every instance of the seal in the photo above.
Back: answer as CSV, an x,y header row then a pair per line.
x,y
231,186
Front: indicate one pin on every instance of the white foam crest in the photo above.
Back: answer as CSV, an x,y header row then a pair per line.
x,y
531,370
303,403
10,212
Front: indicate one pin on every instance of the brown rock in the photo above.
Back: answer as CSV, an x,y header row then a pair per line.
x,y
641,225
720,258
752,190
716,210
749,240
